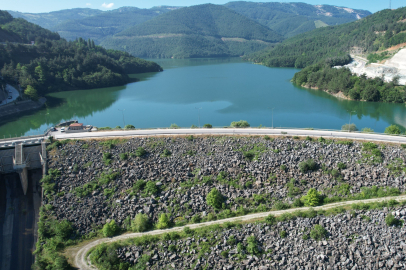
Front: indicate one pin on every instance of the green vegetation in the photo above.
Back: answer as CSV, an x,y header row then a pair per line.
x,y
166,153
197,31
215,199
371,154
240,124
333,43
367,130
140,223
393,130
107,156
55,64
123,156
349,127
333,80
312,198
110,229
390,220
291,20
163,222
308,165
252,245
174,126
377,57
207,126
129,127
140,152
318,233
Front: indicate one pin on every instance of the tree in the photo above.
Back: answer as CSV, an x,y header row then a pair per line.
x,y
207,126
252,246
318,232
349,127
151,188
140,223
163,222
31,92
312,198
240,124
129,127
214,198
392,129
110,229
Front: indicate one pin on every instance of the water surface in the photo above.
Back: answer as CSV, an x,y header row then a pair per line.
x,y
226,90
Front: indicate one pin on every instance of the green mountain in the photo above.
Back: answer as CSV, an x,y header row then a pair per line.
x,y
198,31
378,31
92,23
290,19
51,19
54,64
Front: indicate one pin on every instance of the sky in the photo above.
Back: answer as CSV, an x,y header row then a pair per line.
x,y
38,6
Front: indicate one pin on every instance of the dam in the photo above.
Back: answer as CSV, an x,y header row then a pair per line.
x,y
22,164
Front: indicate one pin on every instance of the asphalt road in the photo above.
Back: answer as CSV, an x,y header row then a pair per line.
x,y
81,259
12,92
232,131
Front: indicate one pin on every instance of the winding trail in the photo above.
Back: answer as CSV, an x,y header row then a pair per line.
x,y
81,259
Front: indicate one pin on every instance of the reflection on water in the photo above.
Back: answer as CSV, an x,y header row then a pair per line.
x,y
226,89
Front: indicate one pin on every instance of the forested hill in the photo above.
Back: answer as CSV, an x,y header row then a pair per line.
x,y
54,64
290,19
378,31
197,31
92,23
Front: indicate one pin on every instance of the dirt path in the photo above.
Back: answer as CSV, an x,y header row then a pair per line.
x,y
82,262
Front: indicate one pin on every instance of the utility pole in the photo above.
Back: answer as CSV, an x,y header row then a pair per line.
x,y
390,4
123,116
198,114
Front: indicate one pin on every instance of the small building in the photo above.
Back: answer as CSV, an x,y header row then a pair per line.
x,y
76,126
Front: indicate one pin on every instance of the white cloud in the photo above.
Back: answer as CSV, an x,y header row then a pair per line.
x,y
88,4
107,5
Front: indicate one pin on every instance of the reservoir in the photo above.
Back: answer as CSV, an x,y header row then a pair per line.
x,y
220,90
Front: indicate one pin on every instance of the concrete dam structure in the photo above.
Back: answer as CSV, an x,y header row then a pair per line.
x,y
21,156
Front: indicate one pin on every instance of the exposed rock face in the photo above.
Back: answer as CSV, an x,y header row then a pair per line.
x,y
184,180
353,243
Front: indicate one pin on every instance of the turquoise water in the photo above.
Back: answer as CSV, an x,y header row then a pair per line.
x,y
226,90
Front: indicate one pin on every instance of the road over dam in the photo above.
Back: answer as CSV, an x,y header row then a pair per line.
x,y
233,131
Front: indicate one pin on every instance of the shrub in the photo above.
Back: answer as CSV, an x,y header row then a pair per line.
x,y
107,158
270,219
214,198
281,206
224,253
207,126
367,130
140,223
308,165
139,185
341,166
349,127
252,247
188,231
240,124
174,126
110,229
283,168
297,203
392,221
151,188
123,156
322,140
283,234
305,236
309,138
193,126
267,138
250,155
312,198
163,222
129,127
117,127
393,129
140,152
318,232
166,153
190,138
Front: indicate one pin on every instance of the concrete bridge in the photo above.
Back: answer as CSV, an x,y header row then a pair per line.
x,y
21,156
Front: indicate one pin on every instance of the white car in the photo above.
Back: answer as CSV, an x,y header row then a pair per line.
x,y
62,129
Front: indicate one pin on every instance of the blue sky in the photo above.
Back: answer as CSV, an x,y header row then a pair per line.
x,y
53,5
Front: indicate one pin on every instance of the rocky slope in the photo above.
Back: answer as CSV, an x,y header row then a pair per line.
x,y
93,189
355,240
